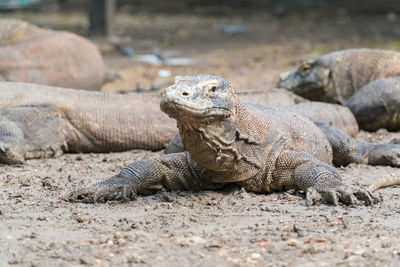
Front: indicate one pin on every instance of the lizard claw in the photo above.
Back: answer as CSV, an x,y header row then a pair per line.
x,y
344,193
312,196
110,189
10,155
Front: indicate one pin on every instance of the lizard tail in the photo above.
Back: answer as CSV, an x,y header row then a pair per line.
x,y
385,181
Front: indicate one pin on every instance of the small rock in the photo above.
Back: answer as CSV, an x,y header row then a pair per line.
x,y
212,202
359,252
156,85
79,218
164,73
196,240
163,205
125,50
25,181
179,61
117,235
293,243
148,59
41,218
242,193
232,29
122,241
267,208
167,197
14,262
84,260
235,260
255,256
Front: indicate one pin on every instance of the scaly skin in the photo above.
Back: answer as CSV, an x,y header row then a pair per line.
x,y
35,55
336,76
41,121
261,149
331,114
361,79
381,96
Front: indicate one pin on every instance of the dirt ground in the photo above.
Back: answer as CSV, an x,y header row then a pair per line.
x,y
230,227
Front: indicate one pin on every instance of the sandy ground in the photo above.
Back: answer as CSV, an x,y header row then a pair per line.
x,y
230,227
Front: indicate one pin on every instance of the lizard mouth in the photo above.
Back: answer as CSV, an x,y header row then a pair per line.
x,y
177,110
289,81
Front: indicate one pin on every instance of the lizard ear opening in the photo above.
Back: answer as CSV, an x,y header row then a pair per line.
x,y
326,77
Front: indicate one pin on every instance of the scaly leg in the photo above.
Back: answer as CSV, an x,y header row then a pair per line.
x,y
348,150
318,179
173,171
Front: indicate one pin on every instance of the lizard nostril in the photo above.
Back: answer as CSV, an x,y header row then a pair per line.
x,y
185,93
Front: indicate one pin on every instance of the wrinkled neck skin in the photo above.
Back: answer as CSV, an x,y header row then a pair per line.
x,y
211,142
219,146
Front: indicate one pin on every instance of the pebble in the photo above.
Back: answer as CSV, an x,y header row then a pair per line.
x,y
122,241
25,182
293,243
85,260
79,218
168,197
255,256
164,73
267,208
42,218
359,252
196,240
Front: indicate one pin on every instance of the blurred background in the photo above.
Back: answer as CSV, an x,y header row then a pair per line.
x,y
145,43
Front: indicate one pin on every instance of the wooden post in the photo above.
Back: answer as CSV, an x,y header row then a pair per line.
x,y
101,16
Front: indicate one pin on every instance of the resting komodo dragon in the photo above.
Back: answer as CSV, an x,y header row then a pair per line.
x,y
364,80
260,149
36,55
42,121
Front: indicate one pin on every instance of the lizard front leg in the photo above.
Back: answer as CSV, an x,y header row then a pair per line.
x,y
173,172
318,179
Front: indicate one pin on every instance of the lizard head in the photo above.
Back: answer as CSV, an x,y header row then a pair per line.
x,y
197,97
310,80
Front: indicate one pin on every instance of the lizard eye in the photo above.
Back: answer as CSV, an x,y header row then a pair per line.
x,y
305,69
213,91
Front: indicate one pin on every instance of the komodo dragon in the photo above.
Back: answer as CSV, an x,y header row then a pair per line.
x,y
260,149
36,55
355,78
42,121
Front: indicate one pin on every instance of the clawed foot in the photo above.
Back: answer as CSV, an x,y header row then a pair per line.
x,y
111,189
343,192
10,155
